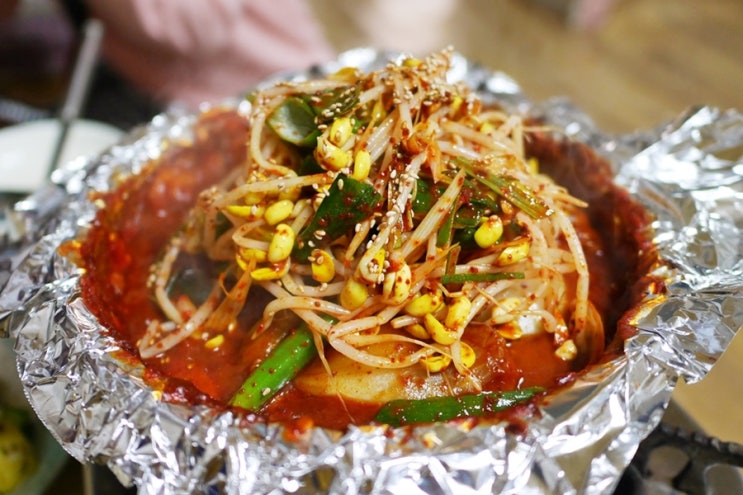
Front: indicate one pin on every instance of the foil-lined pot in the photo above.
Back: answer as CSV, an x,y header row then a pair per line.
x,y
688,173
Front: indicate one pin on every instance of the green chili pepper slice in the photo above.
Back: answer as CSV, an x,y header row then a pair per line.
x,y
297,119
294,122
333,103
348,202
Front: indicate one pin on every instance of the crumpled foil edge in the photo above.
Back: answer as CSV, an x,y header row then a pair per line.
x,y
688,172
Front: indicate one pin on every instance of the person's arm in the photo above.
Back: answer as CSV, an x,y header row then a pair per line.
x,y
206,50
167,27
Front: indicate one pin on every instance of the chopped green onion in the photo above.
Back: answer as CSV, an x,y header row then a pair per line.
x,y
283,363
509,188
486,203
460,278
467,216
410,411
423,200
465,237
451,259
446,232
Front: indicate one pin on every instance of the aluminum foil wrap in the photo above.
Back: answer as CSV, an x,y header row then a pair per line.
x,y
689,173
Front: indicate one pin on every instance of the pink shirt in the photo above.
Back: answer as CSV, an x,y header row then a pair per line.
x,y
188,52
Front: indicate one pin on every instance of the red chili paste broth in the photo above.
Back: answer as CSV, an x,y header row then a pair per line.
x,y
128,236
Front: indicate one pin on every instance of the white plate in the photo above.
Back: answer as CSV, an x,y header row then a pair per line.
x,y
26,149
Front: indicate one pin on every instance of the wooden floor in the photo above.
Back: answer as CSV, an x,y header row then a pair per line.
x,y
651,60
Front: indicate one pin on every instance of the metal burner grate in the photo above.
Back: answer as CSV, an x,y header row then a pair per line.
x,y
676,460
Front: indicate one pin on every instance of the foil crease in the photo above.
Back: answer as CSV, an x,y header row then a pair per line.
x,y
687,172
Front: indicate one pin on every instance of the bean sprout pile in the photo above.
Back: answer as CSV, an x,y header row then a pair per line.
x,y
387,207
